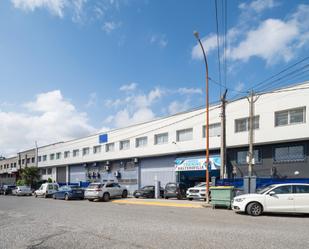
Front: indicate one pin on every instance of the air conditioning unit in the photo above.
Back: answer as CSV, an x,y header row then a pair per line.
x,y
117,174
107,162
106,167
135,160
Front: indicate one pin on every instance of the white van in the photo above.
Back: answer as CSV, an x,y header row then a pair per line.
x,y
46,190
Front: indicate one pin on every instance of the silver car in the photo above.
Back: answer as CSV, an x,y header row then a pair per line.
x,y
105,191
22,190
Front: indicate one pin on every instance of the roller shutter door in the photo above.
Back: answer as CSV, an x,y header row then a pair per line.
x,y
77,174
162,168
61,175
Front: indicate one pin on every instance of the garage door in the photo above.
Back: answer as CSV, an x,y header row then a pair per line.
x,y
160,168
61,175
77,174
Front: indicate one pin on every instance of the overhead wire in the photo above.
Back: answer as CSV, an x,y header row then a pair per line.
x,y
218,44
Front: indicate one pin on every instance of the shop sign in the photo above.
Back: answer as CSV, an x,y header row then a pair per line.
x,y
188,164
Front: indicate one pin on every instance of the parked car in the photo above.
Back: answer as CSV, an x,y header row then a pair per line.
x,y
69,193
175,190
46,190
105,191
1,190
7,189
147,192
197,192
22,190
281,198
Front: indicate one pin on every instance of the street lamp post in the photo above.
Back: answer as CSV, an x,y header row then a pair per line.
x,y
196,34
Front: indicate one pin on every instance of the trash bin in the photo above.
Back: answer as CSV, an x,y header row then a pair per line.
x,y
222,196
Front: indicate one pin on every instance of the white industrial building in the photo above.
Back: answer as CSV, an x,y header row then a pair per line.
x,y
173,148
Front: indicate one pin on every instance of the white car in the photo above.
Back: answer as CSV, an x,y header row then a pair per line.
x,y
46,190
281,198
197,192
22,190
105,191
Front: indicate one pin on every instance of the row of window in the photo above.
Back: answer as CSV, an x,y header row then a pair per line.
x,y
20,162
292,116
294,153
282,118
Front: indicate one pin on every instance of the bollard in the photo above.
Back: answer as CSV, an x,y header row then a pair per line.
x,y
246,185
252,184
157,188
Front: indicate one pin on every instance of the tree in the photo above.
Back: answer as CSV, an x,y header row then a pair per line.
x,y
30,175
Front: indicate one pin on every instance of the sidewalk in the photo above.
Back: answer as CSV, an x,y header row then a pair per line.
x,y
163,202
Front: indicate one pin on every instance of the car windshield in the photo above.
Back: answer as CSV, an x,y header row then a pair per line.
x,y
264,190
94,186
202,184
171,186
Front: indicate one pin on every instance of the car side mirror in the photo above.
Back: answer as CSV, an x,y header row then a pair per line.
x,y
271,193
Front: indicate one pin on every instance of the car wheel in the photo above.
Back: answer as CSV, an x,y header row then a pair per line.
x,y
166,197
106,197
190,199
66,197
254,209
35,195
90,200
45,195
124,194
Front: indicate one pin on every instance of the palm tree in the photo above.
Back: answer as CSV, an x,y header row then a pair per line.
x,y
30,175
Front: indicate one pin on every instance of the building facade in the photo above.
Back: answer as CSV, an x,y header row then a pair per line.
x,y
173,148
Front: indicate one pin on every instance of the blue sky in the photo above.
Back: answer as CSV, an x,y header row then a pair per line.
x,y
72,68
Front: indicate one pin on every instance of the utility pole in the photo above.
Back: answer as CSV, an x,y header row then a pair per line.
x,y
36,154
223,173
251,100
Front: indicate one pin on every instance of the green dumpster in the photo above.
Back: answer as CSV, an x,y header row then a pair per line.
x,y
222,196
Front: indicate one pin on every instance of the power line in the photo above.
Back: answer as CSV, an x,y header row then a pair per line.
x,y
265,81
230,89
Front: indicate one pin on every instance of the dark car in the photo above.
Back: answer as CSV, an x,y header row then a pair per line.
x,y
147,192
7,189
1,190
175,190
69,193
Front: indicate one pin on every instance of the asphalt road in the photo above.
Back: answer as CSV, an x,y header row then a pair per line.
x,y
26,222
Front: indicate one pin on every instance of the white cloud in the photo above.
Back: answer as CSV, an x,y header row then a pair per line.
x,y
184,90
209,43
240,87
108,27
56,7
177,106
258,5
159,40
93,98
272,40
128,87
50,118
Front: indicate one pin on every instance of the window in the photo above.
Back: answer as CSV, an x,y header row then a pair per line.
x,y
161,138
242,124
43,171
66,154
242,157
51,156
184,135
14,165
58,155
283,190
289,154
109,147
23,161
49,171
44,157
85,151
28,160
32,159
140,142
124,145
292,116
301,189
75,153
96,149
214,130
39,158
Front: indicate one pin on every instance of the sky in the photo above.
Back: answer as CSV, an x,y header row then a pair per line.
x,y
70,68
